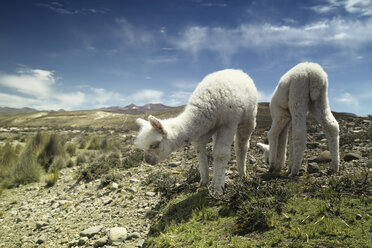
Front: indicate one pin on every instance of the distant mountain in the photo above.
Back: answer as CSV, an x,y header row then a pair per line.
x,y
16,111
134,109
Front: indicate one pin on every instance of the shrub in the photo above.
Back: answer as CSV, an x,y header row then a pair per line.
x,y
51,179
98,168
59,162
8,157
133,158
26,170
81,159
71,148
52,149
95,143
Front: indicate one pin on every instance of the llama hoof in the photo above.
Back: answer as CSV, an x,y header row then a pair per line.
x,y
293,174
215,191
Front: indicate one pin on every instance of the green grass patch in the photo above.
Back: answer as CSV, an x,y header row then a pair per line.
x,y
330,211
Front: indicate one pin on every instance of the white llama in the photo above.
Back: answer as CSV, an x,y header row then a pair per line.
x,y
303,88
224,104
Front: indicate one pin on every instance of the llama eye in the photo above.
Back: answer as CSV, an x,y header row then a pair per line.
x,y
154,146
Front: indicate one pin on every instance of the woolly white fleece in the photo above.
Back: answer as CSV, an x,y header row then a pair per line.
x,y
303,88
222,105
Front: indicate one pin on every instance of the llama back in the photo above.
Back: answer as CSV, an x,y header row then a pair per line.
x,y
228,88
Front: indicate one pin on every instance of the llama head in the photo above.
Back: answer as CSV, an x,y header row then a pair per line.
x,y
152,138
266,151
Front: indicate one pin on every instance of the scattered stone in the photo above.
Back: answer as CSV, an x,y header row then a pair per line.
x,y
134,235
140,242
134,180
133,190
40,240
352,156
40,224
117,234
261,170
324,157
107,200
174,164
151,194
90,232
114,186
313,167
252,160
83,240
100,242
312,145
63,241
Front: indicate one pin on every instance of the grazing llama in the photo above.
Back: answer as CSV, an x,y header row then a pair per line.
x,y
224,104
303,88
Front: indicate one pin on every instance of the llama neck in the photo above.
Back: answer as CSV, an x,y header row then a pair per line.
x,y
188,126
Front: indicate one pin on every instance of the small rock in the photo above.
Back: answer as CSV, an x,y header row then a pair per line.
x,y
63,241
134,235
252,160
358,217
140,243
114,186
132,190
261,170
100,242
91,231
352,156
107,200
151,194
117,234
40,240
324,157
313,167
83,240
174,164
134,180
40,224
312,145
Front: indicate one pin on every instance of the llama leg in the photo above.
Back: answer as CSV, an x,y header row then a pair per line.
x,y
201,153
331,130
290,159
242,138
221,156
279,123
298,141
282,146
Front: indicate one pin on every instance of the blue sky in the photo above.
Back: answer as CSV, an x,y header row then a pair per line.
x,y
88,54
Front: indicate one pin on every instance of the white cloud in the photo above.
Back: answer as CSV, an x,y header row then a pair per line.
x,y
348,100
358,7
264,97
132,36
37,83
147,96
336,32
38,89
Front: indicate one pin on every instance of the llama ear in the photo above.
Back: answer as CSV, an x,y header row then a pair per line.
x,y
141,122
156,123
263,147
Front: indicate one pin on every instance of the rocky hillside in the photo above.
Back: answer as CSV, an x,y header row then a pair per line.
x,y
130,206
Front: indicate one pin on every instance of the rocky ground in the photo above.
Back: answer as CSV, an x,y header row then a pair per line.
x,y
85,215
